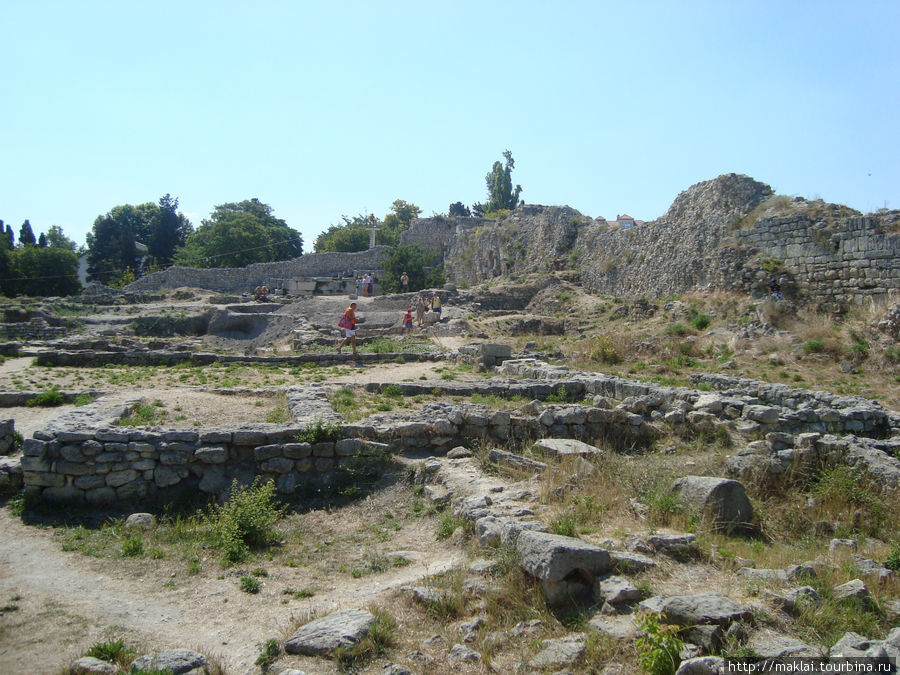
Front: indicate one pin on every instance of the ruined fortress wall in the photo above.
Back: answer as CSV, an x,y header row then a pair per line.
x,y
236,279
845,263
835,266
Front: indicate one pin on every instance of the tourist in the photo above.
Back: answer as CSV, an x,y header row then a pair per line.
x,y
420,311
404,283
358,285
436,304
408,320
348,325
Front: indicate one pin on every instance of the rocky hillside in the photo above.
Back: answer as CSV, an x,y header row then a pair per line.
x,y
729,233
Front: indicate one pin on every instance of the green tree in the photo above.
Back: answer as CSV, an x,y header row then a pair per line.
x,y
42,240
501,194
238,234
111,242
10,235
423,267
26,234
353,234
459,209
57,239
397,222
44,271
167,231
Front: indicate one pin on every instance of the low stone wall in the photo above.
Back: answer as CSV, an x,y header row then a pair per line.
x,y
7,436
450,424
107,466
756,405
237,279
93,359
36,329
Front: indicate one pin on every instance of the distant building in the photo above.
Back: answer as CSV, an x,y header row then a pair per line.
x,y
624,221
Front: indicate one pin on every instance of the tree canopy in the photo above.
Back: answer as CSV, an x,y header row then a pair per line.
x,y
353,234
238,234
423,267
111,242
501,194
36,270
26,234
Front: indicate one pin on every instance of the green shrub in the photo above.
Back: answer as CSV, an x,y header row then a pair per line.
x,y
658,647
250,584
604,350
112,651
392,391
893,559
814,346
448,524
133,546
319,432
564,524
270,652
381,637
701,321
141,415
677,329
245,522
47,399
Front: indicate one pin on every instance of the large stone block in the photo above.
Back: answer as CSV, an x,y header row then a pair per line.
x,y
324,635
721,502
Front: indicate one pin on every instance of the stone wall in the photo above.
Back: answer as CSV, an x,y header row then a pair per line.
x,y
718,234
272,274
837,265
104,467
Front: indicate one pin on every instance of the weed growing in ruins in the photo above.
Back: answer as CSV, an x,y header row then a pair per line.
x,y
320,432
893,559
677,329
604,351
564,524
112,651
701,321
142,415
246,521
268,655
250,584
132,547
299,594
47,399
448,524
658,646
381,637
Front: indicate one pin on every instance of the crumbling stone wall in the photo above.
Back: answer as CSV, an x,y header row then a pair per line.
x,y
830,258
837,265
236,279
115,465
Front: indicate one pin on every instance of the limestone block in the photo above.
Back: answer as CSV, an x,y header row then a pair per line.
x,y
722,502
324,635
263,452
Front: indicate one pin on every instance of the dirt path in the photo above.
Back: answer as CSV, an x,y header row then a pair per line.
x,y
66,602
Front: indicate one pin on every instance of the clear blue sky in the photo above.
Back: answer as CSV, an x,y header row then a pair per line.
x,y
330,108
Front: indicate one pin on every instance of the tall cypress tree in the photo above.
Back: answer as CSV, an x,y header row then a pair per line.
x,y
26,234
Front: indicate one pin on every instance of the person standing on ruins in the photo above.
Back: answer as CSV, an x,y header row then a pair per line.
x,y
348,325
420,311
404,283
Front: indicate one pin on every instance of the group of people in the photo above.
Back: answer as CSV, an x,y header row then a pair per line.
x,y
261,293
423,304
347,322
365,285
